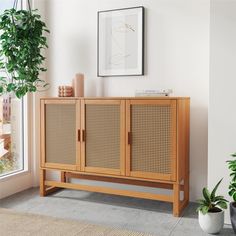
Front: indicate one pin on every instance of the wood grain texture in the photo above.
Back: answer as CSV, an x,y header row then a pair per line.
x,y
174,141
60,166
100,189
183,119
128,145
187,136
176,201
42,133
122,137
63,176
78,129
114,98
108,175
60,101
101,170
122,181
82,154
42,187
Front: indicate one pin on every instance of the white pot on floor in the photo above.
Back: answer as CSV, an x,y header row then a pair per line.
x,y
211,222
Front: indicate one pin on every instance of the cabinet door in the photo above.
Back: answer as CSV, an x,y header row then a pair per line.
x,y
103,136
151,139
60,133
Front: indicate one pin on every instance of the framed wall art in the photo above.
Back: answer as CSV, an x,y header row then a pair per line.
x,y
121,42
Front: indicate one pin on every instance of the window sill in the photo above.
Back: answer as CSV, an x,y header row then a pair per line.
x,y
14,175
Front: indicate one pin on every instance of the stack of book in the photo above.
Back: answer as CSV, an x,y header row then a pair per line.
x,y
65,91
153,92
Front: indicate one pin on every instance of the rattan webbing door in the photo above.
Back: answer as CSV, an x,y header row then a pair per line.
x,y
151,135
103,124
60,129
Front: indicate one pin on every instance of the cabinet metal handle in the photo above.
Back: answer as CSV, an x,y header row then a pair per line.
x,y
83,136
129,138
78,135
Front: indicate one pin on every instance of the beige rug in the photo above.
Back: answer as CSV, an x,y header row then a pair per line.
x,y
20,224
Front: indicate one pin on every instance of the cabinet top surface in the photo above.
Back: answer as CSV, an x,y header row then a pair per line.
x,y
115,98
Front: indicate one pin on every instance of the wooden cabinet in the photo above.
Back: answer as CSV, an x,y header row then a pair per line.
x,y
140,141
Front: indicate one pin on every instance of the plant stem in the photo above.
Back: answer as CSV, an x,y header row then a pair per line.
x,y
29,6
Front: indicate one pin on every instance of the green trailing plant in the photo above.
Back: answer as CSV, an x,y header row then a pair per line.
x,y
232,185
7,165
1,166
211,202
21,42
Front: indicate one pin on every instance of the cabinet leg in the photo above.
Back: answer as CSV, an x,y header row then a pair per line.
x,y
186,190
63,177
42,187
176,202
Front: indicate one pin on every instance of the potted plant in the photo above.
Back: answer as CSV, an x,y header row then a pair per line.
x,y
232,190
210,210
21,42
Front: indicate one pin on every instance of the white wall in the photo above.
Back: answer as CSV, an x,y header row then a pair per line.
x,y
177,57
14,184
222,112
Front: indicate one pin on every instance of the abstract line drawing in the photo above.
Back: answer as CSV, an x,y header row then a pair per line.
x,y
120,28
120,42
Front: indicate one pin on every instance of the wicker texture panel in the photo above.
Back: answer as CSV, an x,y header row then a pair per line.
x,y
151,138
102,136
60,133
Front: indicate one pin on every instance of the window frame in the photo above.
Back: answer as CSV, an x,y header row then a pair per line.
x,y
26,134
25,141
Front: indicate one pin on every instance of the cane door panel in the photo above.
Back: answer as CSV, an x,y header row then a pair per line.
x,y
151,139
103,136
60,127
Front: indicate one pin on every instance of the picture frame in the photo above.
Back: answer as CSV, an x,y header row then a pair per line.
x,y
120,42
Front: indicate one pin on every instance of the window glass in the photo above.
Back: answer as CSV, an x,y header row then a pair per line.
x,y
11,125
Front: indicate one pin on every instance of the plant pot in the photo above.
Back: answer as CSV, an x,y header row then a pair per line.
x,y
212,222
233,215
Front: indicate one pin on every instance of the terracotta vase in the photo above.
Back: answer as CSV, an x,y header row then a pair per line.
x,y
78,84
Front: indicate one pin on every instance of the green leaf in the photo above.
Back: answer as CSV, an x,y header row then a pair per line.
x,y
217,198
222,204
2,79
204,210
10,87
201,201
231,192
206,195
32,89
212,197
2,65
199,209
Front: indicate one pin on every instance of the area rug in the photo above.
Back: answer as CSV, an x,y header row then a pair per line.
x,y
14,223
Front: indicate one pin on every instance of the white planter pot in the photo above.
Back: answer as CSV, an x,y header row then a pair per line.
x,y
211,223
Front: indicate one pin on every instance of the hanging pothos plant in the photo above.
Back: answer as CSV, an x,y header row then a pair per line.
x,y
21,42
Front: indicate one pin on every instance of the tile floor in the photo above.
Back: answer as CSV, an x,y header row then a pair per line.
x,y
130,213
